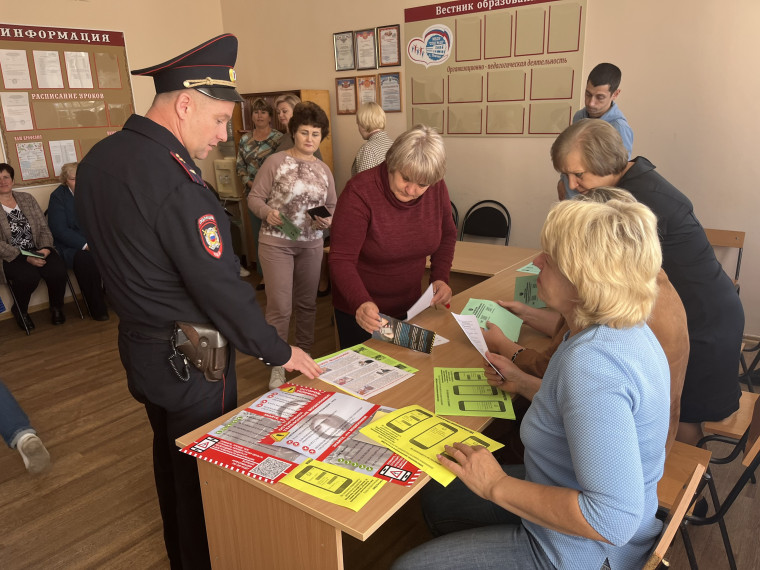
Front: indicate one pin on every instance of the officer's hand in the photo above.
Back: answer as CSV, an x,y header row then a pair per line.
x,y
273,218
302,362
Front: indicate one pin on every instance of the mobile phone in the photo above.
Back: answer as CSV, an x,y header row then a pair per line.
x,y
325,480
320,211
482,406
433,436
408,420
474,375
475,391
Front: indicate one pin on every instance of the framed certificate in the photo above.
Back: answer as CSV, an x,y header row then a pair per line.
x,y
343,43
345,95
390,92
366,49
389,45
366,89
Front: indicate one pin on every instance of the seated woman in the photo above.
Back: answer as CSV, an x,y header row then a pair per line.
x,y
370,119
23,228
592,154
524,367
290,241
586,494
71,242
389,219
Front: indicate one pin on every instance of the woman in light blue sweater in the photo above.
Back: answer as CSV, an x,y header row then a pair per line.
x,y
595,432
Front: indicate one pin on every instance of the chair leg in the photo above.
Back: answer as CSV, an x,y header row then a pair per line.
x,y
15,304
689,548
74,295
722,524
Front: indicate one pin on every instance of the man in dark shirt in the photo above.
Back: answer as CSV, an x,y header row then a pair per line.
x,y
163,246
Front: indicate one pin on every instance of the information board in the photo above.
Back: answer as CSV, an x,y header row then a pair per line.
x,y
495,67
61,91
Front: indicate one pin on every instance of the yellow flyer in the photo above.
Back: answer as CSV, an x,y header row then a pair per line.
x,y
333,484
418,436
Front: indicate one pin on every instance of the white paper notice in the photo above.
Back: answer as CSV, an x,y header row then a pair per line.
x,y
439,340
62,152
78,69
47,65
18,116
31,158
421,304
15,69
472,330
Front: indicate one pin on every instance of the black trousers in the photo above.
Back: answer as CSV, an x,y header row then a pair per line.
x,y
90,282
349,332
26,277
174,408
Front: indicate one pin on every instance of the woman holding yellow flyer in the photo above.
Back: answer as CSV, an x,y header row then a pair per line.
x,y
587,495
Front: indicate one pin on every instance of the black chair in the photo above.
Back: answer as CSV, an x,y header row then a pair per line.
x,y
487,218
751,461
71,290
455,214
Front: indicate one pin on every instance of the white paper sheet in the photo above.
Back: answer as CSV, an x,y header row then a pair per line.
x,y
421,304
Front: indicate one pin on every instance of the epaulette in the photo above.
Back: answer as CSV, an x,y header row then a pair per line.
x,y
194,176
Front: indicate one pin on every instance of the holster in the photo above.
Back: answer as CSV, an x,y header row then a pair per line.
x,y
204,346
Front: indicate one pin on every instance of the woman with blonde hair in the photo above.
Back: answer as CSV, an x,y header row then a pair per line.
x,y
598,270
389,219
71,242
370,119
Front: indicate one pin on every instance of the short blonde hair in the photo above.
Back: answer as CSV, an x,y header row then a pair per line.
x,y
371,117
290,98
611,254
600,145
66,171
419,154
604,194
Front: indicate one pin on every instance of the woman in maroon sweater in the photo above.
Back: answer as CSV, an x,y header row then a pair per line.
x,y
388,220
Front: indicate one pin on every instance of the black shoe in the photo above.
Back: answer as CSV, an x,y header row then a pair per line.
x,y
57,317
700,508
22,318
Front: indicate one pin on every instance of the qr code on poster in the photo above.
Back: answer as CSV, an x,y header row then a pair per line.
x,y
270,468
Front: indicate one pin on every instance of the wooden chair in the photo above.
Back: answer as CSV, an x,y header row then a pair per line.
x,y
733,430
750,462
455,215
675,516
728,238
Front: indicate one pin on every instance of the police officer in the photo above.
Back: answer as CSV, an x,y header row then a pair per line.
x,y
163,245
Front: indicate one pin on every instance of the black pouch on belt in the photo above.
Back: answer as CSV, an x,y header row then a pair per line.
x,y
205,348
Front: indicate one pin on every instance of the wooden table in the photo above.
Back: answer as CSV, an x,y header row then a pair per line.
x,y
487,259
250,523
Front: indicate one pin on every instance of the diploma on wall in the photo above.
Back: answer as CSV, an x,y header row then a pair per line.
x,y
343,43
345,95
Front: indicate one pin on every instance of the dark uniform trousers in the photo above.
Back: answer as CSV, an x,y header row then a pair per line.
x,y
175,408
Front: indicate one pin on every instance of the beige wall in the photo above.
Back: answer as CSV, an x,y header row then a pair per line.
x,y
688,81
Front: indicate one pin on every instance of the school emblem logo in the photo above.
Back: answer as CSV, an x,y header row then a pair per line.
x,y
210,237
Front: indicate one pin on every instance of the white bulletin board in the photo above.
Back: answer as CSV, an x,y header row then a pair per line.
x,y
495,68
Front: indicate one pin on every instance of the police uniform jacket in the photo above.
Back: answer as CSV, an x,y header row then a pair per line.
x,y
162,241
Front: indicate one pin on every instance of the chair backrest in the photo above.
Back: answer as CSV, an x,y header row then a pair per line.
x,y
487,218
728,238
455,214
675,517
753,439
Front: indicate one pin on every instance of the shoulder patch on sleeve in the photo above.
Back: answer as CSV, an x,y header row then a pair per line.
x,y
210,237
194,176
